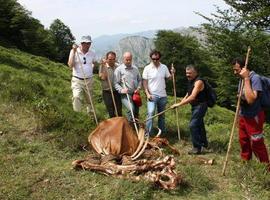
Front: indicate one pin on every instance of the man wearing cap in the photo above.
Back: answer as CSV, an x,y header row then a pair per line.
x,y
81,60
154,76
127,82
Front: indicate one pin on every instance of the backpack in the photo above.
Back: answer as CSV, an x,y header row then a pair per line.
x,y
265,98
211,94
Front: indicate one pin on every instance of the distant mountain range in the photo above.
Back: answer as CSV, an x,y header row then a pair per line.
x,y
139,44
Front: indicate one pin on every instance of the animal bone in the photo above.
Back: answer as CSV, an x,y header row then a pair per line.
x,y
205,161
159,142
160,172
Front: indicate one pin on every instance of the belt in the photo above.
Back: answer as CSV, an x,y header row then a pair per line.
x,y
80,78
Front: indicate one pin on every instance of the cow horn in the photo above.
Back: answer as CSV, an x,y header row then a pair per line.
x,y
141,139
142,150
159,132
134,156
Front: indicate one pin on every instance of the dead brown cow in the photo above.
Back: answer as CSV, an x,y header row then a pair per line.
x,y
114,137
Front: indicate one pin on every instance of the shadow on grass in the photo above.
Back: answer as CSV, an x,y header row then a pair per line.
x,y
218,146
172,136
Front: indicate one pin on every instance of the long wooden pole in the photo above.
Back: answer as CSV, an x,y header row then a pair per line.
x,y
87,89
110,86
175,101
235,117
160,113
130,107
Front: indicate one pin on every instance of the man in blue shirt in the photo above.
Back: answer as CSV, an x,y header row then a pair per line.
x,y
252,116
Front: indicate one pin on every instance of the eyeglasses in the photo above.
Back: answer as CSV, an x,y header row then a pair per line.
x,y
155,59
84,60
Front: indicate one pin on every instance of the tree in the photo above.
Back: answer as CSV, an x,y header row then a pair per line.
x,y
253,12
63,39
181,51
5,17
18,28
225,40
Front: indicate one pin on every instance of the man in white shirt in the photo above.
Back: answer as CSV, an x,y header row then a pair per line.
x,y
81,61
154,76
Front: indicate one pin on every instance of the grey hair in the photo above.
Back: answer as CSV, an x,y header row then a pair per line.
x,y
192,67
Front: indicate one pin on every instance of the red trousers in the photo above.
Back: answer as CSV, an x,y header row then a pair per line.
x,y
251,137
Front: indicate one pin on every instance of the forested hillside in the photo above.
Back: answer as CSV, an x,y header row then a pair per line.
x,y
19,29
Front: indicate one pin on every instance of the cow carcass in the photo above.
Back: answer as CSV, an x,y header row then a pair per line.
x,y
124,154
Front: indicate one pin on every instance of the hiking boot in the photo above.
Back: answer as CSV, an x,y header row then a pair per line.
x,y
194,151
206,150
205,145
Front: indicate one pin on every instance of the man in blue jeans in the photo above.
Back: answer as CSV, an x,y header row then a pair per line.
x,y
154,76
197,97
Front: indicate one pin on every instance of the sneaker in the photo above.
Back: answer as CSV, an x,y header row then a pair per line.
x,y
194,151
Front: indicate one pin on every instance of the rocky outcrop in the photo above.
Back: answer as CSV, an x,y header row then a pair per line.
x,y
140,48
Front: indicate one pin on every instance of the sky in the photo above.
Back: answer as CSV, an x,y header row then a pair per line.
x,y
107,17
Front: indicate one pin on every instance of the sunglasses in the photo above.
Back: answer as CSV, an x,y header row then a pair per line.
x,y
155,58
84,60
88,43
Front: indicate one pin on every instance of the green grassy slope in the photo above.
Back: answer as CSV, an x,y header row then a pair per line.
x,y
40,136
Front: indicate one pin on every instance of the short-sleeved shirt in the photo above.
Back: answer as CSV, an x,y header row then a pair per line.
x,y
86,60
155,77
110,72
251,110
131,75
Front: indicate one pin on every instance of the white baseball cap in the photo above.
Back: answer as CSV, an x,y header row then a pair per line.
x,y
86,39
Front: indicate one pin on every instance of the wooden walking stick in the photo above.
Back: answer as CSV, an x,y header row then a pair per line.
x,y
87,89
175,101
160,113
130,107
235,116
110,86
